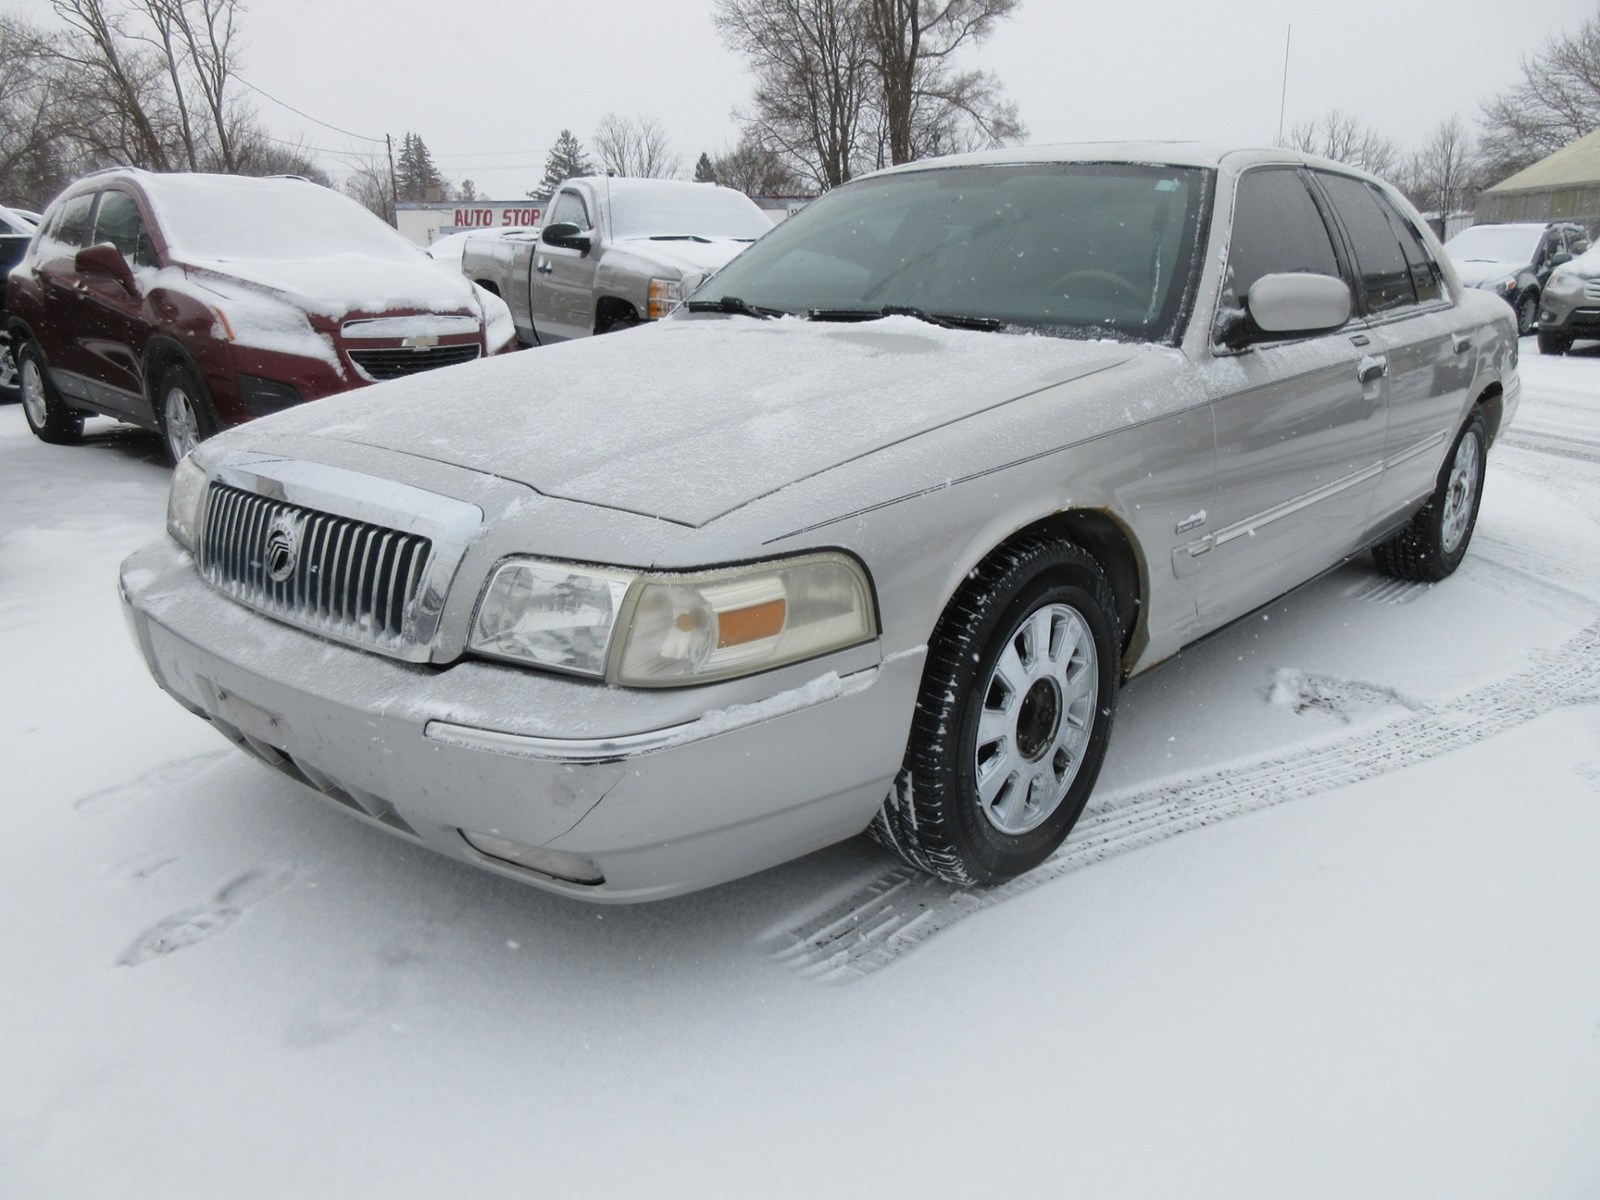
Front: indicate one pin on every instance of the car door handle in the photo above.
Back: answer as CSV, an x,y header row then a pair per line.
x,y
544,267
1372,368
1462,342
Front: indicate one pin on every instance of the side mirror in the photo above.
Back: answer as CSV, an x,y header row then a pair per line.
x,y
1559,259
106,259
568,236
1298,303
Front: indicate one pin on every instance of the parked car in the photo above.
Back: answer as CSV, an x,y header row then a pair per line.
x,y
448,249
612,253
1514,260
868,534
189,303
1571,305
16,231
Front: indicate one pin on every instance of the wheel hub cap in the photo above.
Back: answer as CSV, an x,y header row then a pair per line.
x,y
1459,495
33,392
1039,706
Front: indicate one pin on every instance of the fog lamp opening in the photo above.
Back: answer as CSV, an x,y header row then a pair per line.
x,y
557,864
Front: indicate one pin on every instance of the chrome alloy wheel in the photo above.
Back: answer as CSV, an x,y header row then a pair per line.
x,y
8,367
180,421
33,399
1461,491
1038,710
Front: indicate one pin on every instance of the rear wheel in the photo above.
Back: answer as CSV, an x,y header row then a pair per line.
x,y
1013,718
48,415
8,370
184,408
1434,543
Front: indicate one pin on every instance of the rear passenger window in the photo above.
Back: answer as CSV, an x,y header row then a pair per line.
x,y
1380,262
1425,274
72,223
1276,228
118,221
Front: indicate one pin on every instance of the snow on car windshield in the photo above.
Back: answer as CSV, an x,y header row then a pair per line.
x,y
664,208
223,218
1495,243
1081,249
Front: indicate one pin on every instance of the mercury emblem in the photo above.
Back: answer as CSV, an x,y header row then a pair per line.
x,y
283,547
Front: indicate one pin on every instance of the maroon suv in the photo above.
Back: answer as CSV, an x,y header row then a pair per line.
x,y
187,303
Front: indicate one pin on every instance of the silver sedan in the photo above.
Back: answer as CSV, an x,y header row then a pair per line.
x,y
868,535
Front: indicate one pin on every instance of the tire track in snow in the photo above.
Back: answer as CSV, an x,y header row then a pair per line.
x,y
902,908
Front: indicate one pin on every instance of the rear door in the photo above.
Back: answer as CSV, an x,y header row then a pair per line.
x,y
62,302
1428,350
1299,421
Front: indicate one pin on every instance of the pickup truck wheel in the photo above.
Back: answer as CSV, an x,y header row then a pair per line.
x,y
1013,718
47,413
617,320
185,412
1434,543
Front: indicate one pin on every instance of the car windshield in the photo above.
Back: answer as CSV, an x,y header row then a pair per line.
x,y
1495,243
1078,250
229,219
673,210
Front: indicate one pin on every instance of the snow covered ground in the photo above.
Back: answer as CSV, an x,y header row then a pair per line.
x,y
1356,954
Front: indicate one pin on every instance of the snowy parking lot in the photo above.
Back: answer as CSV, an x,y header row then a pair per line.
x,y
1356,951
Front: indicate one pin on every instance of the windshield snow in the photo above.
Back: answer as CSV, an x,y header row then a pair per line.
x,y
1086,250
1495,243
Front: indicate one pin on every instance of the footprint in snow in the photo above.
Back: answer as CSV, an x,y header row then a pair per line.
x,y
338,1010
184,929
157,779
1302,692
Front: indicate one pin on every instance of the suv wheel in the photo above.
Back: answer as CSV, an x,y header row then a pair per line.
x,y
1554,343
185,412
1527,313
8,370
47,413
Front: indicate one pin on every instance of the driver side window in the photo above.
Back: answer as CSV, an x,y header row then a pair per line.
x,y
1277,228
570,209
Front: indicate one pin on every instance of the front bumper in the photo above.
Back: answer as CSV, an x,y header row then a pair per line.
x,y
661,808
1574,313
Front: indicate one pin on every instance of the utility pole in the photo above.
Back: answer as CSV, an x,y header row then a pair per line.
x,y
1283,98
394,185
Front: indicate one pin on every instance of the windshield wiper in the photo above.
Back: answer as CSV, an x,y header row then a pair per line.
x,y
943,320
734,305
679,237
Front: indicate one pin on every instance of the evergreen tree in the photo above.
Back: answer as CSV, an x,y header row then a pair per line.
x,y
567,159
704,172
415,174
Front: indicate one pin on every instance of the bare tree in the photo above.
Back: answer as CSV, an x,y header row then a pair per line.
x,y
754,169
1345,138
36,161
813,75
370,185
635,146
1439,177
106,70
1557,102
922,97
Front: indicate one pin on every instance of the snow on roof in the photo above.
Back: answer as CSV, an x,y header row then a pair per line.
x,y
1574,165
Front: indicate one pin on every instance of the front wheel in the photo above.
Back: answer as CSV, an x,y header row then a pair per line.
x,y
1434,543
46,412
185,411
1554,343
1527,313
1013,718
8,370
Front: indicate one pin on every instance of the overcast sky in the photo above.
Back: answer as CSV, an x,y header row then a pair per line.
x,y
489,86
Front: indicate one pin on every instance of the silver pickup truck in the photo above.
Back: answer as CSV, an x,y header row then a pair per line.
x,y
612,253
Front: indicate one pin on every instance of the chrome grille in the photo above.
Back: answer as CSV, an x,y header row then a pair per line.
x,y
1591,289
350,579
392,364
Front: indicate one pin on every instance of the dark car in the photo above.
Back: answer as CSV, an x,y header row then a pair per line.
x,y
16,231
1514,260
188,303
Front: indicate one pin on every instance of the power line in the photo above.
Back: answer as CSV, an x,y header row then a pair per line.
x,y
360,137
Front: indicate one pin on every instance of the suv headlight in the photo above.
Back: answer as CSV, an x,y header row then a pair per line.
x,y
652,629
186,502
1564,279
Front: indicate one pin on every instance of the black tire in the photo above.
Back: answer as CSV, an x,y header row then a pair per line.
x,y
48,415
1527,313
937,818
183,409
1434,543
9,390
616,316
1554,343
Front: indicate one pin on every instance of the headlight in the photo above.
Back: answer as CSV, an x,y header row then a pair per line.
x,y
1564,279
665,295
665,630
186,502
1505,286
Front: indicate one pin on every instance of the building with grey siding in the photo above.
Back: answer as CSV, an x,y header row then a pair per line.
x,y
1563,187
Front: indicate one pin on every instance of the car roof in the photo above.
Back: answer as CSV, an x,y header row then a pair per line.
x,y
1163,153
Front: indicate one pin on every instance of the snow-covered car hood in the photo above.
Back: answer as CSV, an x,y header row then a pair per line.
x,y
1477,272
687,257
689,419
346,283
